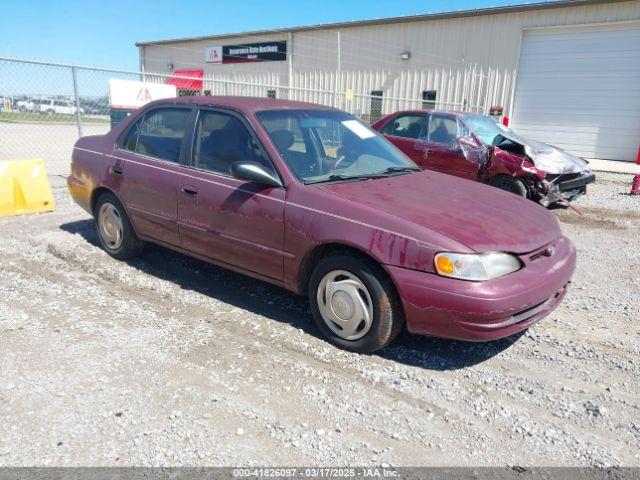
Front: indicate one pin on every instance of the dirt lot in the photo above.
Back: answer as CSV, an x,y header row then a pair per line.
x,y
166,360
52,142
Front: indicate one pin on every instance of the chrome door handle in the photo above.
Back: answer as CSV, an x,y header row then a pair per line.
x,y
190,192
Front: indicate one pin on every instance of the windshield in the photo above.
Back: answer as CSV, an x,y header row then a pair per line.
x,y
327,145
485,128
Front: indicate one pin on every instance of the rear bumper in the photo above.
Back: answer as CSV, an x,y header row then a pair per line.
x,y
482,311
79,193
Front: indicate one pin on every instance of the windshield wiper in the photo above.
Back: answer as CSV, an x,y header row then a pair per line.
x,y
338,177
400,170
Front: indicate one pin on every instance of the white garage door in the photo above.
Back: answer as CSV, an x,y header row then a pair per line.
x,y
579,89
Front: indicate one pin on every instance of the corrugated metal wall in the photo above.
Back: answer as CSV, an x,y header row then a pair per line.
x,y
470,61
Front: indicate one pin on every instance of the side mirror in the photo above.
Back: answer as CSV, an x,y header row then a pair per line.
x,y
254,172
467,142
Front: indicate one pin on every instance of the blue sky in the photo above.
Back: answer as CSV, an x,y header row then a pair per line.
x,y
103,33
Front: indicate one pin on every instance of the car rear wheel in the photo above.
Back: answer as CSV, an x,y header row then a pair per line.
x,y
510,184
354,303
114,228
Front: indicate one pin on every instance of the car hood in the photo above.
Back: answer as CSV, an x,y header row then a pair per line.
x,y
480,217
547,158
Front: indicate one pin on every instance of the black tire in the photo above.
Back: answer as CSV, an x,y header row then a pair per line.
x,y
510,184
130,245
388,314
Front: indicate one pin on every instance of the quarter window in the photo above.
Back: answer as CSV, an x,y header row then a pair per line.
x,y
130,140
222,139
406,126
161,133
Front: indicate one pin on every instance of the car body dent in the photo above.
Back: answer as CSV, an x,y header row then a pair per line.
x,y
548,158
531,166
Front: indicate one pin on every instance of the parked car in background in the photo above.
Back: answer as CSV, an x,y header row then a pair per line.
x,y
60,107
476,147
26,105
313,200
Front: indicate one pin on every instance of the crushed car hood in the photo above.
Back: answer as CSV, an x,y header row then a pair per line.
x,y
480,217
547,158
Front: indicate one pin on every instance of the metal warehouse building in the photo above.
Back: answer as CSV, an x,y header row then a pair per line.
x,y
566,72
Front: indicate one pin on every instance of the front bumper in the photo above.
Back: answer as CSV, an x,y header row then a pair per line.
x,y
568,186
482,311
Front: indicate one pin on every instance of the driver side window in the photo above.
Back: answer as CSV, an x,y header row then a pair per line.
x,y
406,126
443,129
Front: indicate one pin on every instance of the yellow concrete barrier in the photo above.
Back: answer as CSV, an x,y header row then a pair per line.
x,y
24,188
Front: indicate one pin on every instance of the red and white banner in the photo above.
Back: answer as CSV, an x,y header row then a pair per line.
x,y
131,94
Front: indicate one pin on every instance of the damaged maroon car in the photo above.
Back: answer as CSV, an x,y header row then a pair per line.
x,y
476,147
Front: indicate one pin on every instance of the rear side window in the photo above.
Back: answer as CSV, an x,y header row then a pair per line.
x,y
161,132
405,126
130,140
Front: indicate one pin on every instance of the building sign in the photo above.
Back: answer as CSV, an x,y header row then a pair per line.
x,y
131,94
213,54
247,52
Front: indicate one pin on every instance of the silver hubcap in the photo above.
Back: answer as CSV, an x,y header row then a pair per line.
x,y
110,226
345,304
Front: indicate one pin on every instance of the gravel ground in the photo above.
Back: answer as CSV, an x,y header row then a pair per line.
x,y
166,360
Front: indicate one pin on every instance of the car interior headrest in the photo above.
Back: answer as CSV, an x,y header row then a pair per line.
x,y
283,139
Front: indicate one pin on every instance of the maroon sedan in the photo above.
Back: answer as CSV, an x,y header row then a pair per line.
x,y
476,147
312,199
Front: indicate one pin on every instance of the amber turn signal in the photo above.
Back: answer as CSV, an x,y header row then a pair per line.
x,y
444,265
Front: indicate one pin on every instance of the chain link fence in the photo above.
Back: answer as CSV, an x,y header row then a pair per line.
x,y
45,107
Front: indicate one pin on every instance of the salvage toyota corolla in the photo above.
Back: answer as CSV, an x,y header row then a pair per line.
x,y
312,199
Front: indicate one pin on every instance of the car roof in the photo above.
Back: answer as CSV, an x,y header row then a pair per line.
x,y
246,104
427,110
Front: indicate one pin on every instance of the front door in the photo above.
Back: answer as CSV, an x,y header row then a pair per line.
x,y
235,223
405,131
146,167
441,149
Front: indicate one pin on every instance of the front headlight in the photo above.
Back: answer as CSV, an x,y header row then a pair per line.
x,y
475,266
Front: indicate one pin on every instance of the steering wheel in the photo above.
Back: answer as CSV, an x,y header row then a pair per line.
x,y
339,161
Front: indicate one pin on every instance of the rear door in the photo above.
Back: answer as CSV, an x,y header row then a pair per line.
x,y
146,168
235,223
406,131
441,148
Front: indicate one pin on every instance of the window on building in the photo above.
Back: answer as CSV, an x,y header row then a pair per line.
x,y
161,133
429,99
406,126
376,106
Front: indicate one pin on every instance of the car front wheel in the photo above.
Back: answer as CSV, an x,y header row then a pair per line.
x,y
354,303
510,184
115,232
